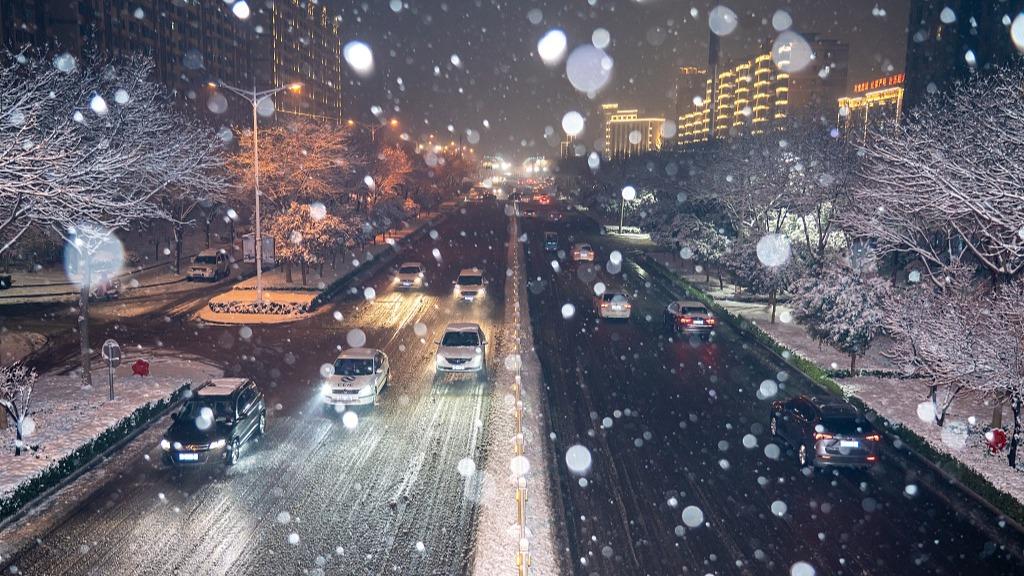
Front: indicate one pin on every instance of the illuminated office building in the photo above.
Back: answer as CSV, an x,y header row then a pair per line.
x,y
874,106
627,134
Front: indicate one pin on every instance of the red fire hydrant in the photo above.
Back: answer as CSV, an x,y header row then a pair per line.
x,y
140,368
996,439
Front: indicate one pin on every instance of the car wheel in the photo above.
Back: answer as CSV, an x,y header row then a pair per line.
x,y
233,452
773,425
803,456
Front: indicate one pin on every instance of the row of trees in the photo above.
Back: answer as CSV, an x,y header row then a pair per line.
x,y
91,149
917,234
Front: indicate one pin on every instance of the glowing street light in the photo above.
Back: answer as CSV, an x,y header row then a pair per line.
x,y
628,194
256,98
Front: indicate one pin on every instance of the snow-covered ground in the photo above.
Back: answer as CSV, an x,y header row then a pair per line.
x,y
896,400
14,346
498,530
66,416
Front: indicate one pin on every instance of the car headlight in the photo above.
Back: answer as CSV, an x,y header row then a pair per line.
x,y
218,444
165,444
440,360
325,389
478,359
481,291
458,288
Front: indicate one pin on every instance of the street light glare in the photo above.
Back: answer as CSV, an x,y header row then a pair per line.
x,y
295,86
394,122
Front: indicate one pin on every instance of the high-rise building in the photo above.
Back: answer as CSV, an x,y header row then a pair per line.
x,y
947,39
194,42
875,105
627,134
765,93
690,87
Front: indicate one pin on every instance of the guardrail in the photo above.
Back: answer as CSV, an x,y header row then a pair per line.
x,y
519,470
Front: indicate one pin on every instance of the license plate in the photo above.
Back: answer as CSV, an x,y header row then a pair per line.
x,y
699,322
188,457
459,367
849,444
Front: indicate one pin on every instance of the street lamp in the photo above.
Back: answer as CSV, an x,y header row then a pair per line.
x,y
256,98
628,194
373,127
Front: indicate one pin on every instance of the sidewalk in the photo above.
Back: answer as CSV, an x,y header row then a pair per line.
x,y
897,400
67,417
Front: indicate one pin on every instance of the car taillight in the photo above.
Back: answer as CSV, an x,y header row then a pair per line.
x,y
872,458
873,437
822,436
710,321
685,320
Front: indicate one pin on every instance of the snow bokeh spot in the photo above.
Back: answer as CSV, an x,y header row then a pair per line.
x,y
588,68
773,250
355,338
578,459
359,57
568,311
551,47
693,516
722,20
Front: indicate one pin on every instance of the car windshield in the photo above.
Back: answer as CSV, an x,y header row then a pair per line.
x,y
353,367
460,339
794,205
846,425
222,408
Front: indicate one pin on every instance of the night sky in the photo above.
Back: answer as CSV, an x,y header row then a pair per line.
x,y
503,81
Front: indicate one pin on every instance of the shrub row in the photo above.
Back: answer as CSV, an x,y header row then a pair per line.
x,y
265,307
70,464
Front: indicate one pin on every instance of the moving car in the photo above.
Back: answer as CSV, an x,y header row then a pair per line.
x,y
360,375
825,432
462,348
582,252
613,304
410,275
555,216
470,284
209,265
220,417
689,317
529,213
550,241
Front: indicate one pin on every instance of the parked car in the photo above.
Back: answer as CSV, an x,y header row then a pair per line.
x,y
613,304
360,375
470,285
825,432
220,417
689,317
582,252
555,216
551,241
529,213
209,265
462,348
410,275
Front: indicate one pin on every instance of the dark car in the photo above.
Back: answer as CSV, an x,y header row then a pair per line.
x,y
217,420
825,432
689,317
550,241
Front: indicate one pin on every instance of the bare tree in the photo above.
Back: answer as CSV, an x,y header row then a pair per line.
x,y
16,383
946,185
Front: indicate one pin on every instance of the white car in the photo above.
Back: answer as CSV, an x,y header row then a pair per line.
x,y
410,275
613,304
582,252
470,285
209,265
463,348
360,374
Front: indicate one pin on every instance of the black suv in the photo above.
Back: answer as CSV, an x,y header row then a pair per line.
x,y
825,432
217,420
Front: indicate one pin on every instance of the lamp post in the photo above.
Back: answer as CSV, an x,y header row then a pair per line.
x,y
256,98
393,123
628,193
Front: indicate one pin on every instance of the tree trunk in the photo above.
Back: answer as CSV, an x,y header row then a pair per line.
x,y
322,260
302,268
707,274
853,364
156,250
288,272
178,232
17,436
231,231
1011,456
721,284
997,415
85,355
773,301
209,225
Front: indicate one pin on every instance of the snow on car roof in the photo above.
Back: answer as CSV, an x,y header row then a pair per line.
x,y
358,353
462,327
411,264
690,304
470,272
209,252
219,387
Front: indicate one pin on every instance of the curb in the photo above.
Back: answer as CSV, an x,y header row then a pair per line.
x,y
893,430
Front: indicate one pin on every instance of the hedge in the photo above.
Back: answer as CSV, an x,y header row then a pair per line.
x,y
70,464
965,475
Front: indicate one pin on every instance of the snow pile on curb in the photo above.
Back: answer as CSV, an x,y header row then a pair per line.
x,y
66,416
497,530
